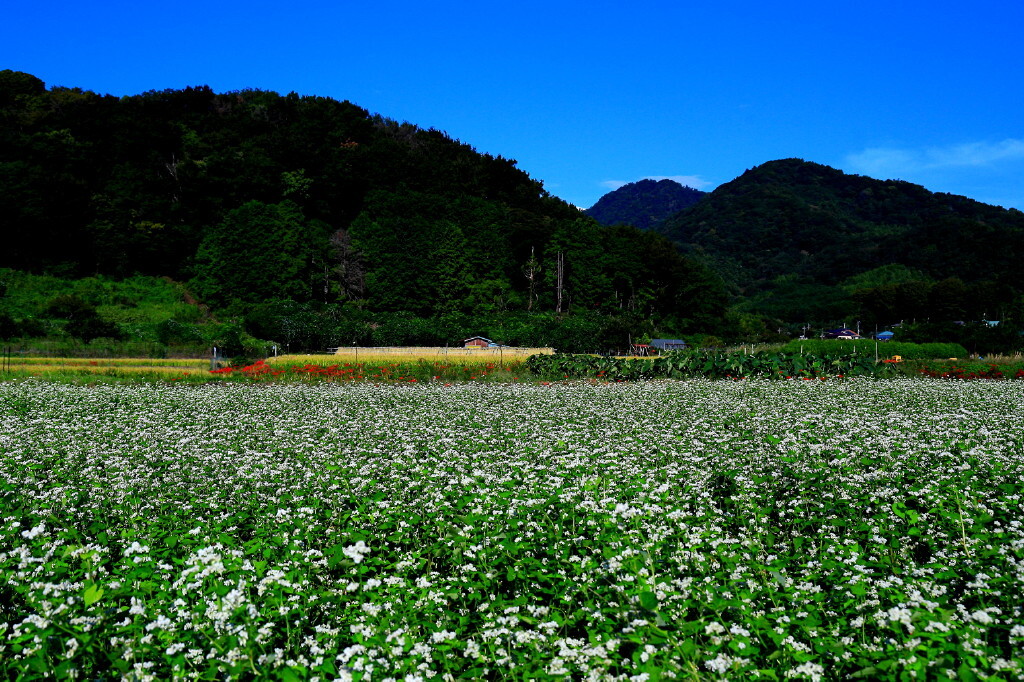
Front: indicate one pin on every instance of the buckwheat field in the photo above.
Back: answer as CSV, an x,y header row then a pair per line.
x,y
687,530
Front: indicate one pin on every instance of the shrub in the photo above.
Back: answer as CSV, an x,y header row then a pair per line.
x,y
886,349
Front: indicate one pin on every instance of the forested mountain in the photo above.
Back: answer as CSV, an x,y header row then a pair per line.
x,y
644,204
253,196
272,209
802,241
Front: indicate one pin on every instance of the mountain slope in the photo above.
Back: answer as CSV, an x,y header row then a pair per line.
x,y
644,203
252,196
796,219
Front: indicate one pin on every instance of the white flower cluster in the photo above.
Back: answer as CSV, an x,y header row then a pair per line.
x,y
357,551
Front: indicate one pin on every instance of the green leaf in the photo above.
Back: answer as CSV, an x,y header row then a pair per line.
x,y
965,673
289,675
92,594
649,600
870,671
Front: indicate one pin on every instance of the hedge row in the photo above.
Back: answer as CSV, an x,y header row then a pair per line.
x,y
886,349
704,363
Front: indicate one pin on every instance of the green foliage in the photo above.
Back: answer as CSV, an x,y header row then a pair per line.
x,y
69,307
315,327
726,530
967,371
231,340
644,204
136,309
796,298
977,337
82,320
893,273
876,239
173,332
253,196
9,327
709,364
36,345
867,348
258,252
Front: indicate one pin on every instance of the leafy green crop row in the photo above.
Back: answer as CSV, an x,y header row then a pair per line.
x,y
705,363
884,349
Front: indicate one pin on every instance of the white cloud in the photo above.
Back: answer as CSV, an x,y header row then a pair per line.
x,y
892,162
883,162
976,153
694,181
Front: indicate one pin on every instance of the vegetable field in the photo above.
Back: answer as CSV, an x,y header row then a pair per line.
x,y
688,530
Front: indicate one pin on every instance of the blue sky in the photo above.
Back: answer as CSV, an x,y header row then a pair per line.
x,y
590,95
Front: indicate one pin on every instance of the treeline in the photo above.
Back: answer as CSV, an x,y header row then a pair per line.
x,y
885,296
104,316
252,196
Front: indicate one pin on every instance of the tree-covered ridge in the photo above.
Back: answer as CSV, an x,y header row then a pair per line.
x,y
644,204
800,239
251,196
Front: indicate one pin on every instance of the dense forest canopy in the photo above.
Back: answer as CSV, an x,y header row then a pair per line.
x,y
802,241
644,204
251,197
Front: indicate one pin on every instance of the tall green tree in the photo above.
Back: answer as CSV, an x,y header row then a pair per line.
x,y
258,252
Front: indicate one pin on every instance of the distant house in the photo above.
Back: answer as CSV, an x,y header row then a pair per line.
x,y
668,344
844,334
478,342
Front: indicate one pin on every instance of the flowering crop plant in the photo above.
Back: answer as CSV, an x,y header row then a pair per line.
x,y
687,530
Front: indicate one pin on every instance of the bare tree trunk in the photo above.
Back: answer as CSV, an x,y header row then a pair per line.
x,y
560,280
348,268
531,271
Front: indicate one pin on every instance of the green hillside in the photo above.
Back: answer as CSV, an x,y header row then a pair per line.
x,y
250,198
800,241
644,204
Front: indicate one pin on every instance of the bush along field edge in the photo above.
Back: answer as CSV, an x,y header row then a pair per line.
x,y
770,365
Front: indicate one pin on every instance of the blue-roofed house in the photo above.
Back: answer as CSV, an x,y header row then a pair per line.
x,y
846,334
668,344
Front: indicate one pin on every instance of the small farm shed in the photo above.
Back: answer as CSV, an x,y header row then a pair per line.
x,y
478,342
668,344
884,336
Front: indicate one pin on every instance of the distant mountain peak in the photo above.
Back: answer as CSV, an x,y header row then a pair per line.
x,y
644,203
